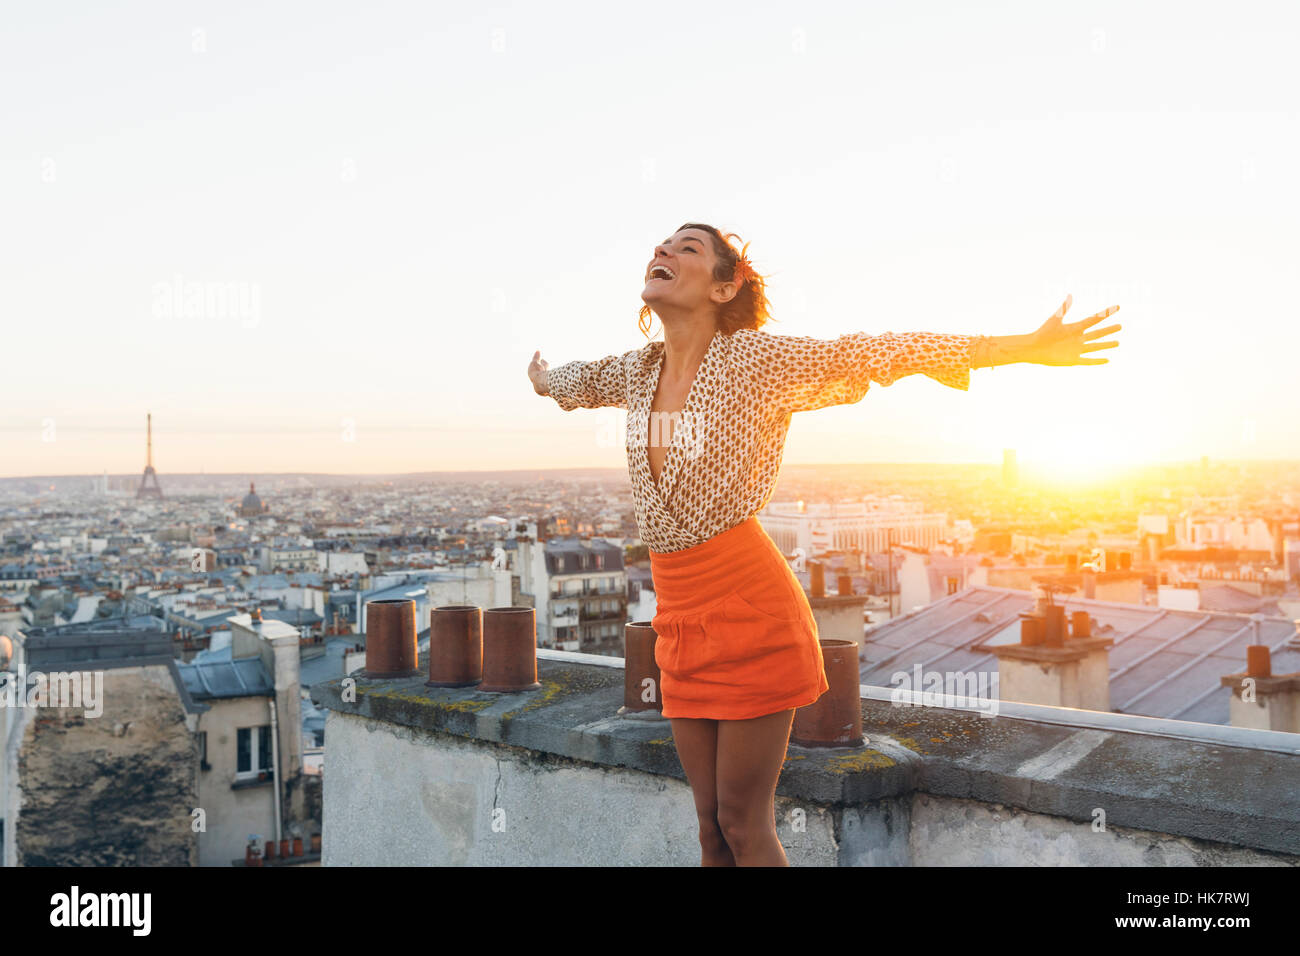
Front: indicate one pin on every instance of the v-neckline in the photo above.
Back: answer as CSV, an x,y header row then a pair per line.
x,y
668,472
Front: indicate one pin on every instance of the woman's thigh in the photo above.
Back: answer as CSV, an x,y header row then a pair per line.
x,y
697,748
750,755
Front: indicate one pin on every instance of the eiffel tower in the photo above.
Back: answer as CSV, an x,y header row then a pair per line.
x,y
145,490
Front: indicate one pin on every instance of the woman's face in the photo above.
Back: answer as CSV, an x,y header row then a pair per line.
x,y
689,258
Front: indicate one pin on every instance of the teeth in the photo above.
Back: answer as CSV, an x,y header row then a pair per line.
x,y
662,272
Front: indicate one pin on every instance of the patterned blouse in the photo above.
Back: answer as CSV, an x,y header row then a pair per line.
x,y
728,438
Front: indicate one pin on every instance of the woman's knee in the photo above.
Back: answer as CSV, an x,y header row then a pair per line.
x,y
739,823
710,828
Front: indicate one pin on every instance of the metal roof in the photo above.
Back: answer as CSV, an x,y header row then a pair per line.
x,y
244,677
109,625
1164,663
1226,597
297,616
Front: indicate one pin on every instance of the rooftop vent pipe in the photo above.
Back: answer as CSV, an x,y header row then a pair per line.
x,y
1080,624
641,677
455,646
835,718
817,579
509,650
1031,630
391,639
1259,662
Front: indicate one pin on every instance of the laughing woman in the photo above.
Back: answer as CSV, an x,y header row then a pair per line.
x,y
708,412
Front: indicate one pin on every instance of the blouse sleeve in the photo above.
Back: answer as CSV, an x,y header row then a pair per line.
x,y
801,373
591,384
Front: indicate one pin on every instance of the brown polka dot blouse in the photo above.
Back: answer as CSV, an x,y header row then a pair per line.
x,y
728,439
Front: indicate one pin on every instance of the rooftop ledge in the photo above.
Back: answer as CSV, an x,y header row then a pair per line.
x,y
421,775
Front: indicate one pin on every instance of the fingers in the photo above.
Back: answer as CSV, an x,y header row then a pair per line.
x,y
1094,319
1098,333
1065,307
1099,345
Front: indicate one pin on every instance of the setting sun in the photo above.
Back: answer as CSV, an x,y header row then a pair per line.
x,y
1064,459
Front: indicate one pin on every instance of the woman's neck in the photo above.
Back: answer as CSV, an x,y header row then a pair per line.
x,y
684,347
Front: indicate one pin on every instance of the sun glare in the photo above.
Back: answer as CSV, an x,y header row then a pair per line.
x,y
1067,461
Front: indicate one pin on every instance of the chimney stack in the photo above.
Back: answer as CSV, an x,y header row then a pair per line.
x,y
1075,673
1261,699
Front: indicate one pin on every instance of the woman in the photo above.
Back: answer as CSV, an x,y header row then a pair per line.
x,y
736,641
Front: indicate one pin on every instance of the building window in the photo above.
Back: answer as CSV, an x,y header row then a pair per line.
x,y
253,751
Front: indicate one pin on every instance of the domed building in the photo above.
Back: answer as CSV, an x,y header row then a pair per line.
x,y
252,506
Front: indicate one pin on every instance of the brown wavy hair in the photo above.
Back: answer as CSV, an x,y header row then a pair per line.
x,y
748,308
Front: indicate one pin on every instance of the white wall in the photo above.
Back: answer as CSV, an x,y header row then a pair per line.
x,y
1178,599
394,796
231,814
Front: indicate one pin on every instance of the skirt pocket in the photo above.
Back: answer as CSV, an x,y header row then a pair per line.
x,y
666,641
771,604
773,593
742,632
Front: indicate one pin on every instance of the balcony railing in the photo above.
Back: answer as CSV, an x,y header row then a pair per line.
x,y
589,589
618,614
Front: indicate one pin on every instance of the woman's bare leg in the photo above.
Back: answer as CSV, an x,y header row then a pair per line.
x,y
750,756
697,748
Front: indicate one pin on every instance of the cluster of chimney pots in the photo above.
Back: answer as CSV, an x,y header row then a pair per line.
x,y
495,650
286,852
1046,626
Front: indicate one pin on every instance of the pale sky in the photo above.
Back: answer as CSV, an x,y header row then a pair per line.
x,y
413,197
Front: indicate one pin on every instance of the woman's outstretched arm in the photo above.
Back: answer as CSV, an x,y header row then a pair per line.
x,y
573,385
801,373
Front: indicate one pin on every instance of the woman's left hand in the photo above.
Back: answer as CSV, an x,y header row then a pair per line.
x,y
1058,343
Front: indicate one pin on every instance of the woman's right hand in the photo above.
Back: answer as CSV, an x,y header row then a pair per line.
x,y
538,374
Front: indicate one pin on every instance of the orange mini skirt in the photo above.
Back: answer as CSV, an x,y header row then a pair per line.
x,y
735,635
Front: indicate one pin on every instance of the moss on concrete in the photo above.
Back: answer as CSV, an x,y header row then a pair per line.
x,y
424,700
858,762
541,696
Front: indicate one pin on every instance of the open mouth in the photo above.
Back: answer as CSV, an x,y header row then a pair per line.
x,y
662,273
